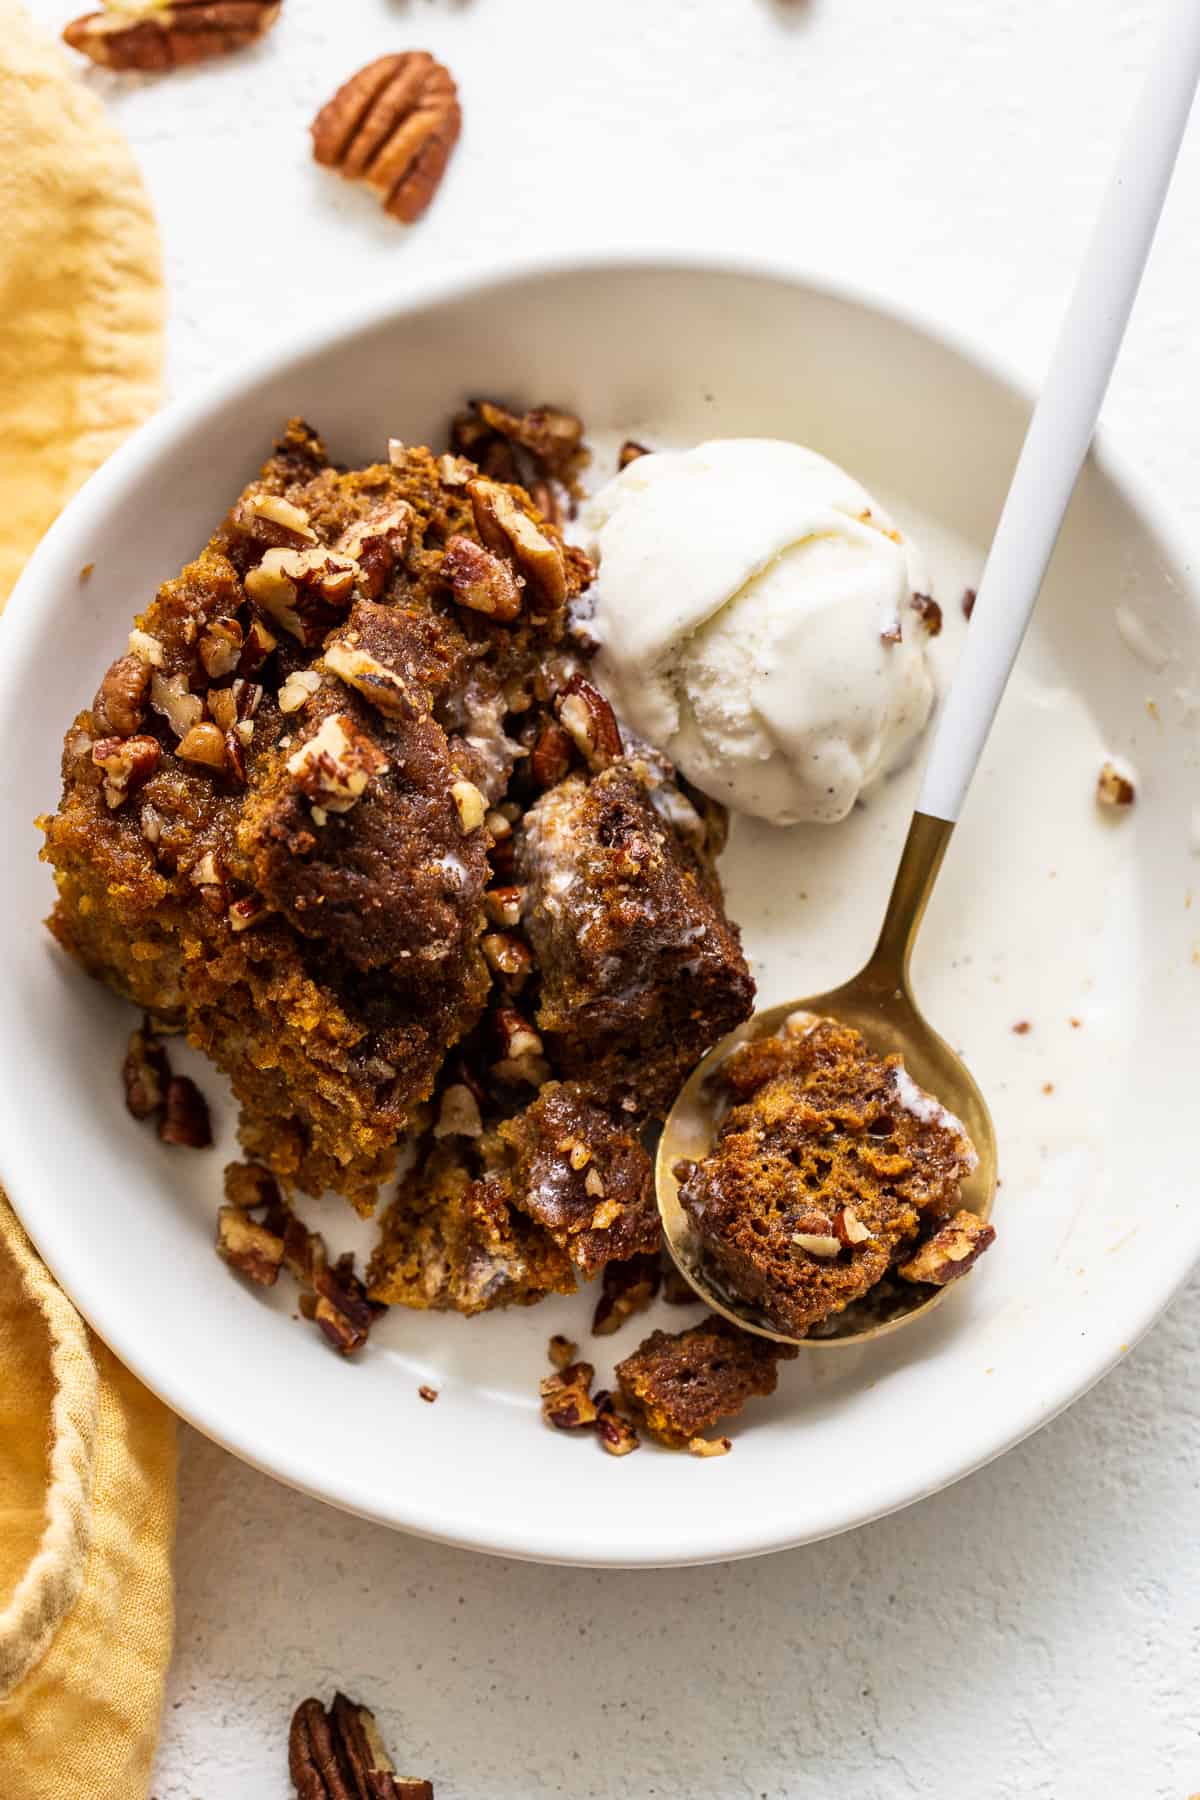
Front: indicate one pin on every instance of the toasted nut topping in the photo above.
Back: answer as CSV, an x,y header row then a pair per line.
x,y
126,763
428,1394
701,1446
504,905
258,646
248,1246
551,435
301,589
588,718
278,511
153,36
393,126
375,543
593,1184
334,766
171,696
508,531
849,1228
579,1156
120,704
387,692
561,1351
517,1038
147,649
455,471
145,1073
567,1402
220,648
222,708
471,805
185,1118
458,1115
551,755
508,956
816,1243
246,912
950,1252
1113,788
480,580
298,690
203,744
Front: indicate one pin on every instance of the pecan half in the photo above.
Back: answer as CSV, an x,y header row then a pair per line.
x,y
185,1119
145,1072
120,703
156,37
480,580
950,1252
249,1247
586,715
393,126
339,1755
126,763
509,531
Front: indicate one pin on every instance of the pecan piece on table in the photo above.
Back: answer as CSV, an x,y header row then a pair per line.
x,y
338,1754
154,38
393,126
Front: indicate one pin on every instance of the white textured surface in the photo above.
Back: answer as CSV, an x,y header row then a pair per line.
x,y
1032,1632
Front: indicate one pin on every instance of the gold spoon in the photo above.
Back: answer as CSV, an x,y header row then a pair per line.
x,y
879,1000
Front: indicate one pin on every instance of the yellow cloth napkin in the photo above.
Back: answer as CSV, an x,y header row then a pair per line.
x,y
87,1456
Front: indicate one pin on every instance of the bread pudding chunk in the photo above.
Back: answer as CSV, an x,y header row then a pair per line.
x,y
677,1385
829,1166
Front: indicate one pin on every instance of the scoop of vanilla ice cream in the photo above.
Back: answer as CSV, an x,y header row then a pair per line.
x,y
747,607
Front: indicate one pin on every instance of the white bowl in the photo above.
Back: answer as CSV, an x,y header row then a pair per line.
x,y
1047,912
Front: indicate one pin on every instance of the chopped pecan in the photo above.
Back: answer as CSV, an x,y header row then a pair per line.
x,y
929,613
458,1114
222,708
393,126
469,804
126,764
185,1119
427,1393
120,703
297,690
589,720
616,1433
388,692
1113,788
509,957
553,436
304,591
567,1402
848,1227
480,580
249,1247
561,1351
171,696
522,1056
545,498
147,648
629,452
339,1755
220,648
629,1288
508,531
376,543
950,1252
334,766
550,757
504,905
702,1446
145,1072
205,744
258,646
158,35
341,1307
276,509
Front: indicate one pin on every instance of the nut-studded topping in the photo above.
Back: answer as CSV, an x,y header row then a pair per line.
x,y
951,1251
205,744
629,1288
146,648
393,126
551,755
561,1351
481,581
567,1402
375,543
185,1118
849,1228
509,531
220,648
145,1073
589,719
458,1115
504,905
249,1247
298,690
469,804
388,692
285,513
171,696
120,704
629,453
509,957
554,437
334,766
1113,788
156,35
126,763
339,1755
303,590
222,708
258,646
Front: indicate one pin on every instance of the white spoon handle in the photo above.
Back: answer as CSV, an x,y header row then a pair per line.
x,y
1065,417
